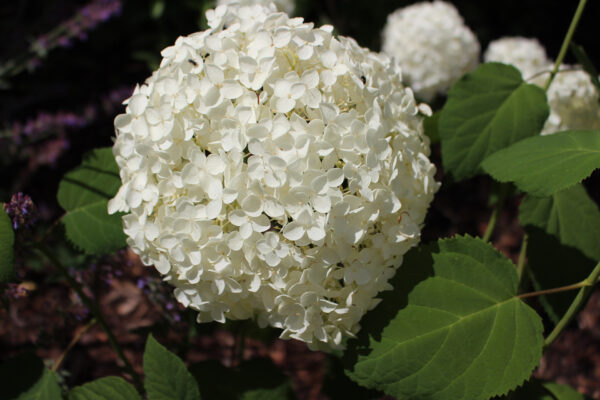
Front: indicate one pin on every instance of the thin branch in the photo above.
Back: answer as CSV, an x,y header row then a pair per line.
x,y
89,303
73,342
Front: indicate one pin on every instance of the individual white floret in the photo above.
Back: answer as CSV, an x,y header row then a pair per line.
x,y
286,6
273,171
526,54
432,45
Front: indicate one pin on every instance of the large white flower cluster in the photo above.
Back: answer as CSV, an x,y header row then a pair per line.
x,y
432,45
526,54
572,96
273,171
286,6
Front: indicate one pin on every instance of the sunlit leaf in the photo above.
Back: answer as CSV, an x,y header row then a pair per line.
x,y
486,111
543,165
84,194
452,328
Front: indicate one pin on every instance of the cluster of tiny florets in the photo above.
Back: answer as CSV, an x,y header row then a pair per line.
x,y
432,45
273,171
572,96
526,54
286,6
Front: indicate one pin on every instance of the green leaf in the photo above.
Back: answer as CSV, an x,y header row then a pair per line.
x,y
167,378
108,388
256,379
586,63
543,165
24,377
84,193
452,328
536,389
570,215
7,242
547,258
430,125
486,111
563,392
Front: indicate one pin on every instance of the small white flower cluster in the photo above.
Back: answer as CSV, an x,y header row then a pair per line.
x,y
527,55
573,100
273,171
572,96
286,6
432,45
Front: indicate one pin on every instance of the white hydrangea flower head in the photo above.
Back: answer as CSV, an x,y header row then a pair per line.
x,y
526,54
573,100
286,6
432,45
273,171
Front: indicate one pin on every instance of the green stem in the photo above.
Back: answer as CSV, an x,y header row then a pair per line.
x,y
565,44
494,217
522,255
89,303
586,289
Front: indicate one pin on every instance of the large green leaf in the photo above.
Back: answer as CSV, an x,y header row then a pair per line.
x,y
84,194
7,242
543,165
452,328
488,110
167,378
570,215
108,388
257,379
24,377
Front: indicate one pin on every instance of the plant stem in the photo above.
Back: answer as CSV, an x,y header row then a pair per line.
x,y
522,256
565,44
74,341
494,217
89,303
586,289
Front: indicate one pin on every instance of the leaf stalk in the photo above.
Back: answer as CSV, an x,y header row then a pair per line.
x,y
566,42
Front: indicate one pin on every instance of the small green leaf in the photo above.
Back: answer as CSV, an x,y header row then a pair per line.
x,y
7,242
84,194
256,379
167,378
108,388
570,215
486,111
563,392
24,377
536,389
543,165
452,328
586,63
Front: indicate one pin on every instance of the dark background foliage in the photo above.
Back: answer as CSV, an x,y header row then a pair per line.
x,y
63,100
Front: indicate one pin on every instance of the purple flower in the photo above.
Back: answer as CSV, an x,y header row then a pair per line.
x,y
21,211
